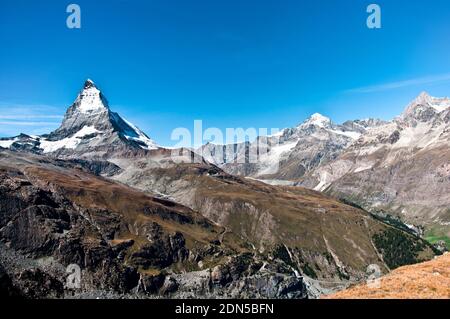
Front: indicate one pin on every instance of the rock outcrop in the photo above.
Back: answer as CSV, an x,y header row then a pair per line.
x,y
123,242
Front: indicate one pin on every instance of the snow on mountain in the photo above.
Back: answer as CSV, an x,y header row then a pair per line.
x,y
6,143
439,104
133,133
269,162
88,127
68,142
90,98
424,108
424,123
350,134
290,153
318,120
401,165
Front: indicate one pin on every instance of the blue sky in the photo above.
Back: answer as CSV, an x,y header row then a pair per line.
x,y
232,63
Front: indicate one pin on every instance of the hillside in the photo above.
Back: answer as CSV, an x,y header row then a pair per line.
x,y
126,242
428,280
319,236
401,168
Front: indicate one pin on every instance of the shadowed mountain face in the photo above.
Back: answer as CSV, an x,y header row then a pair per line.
x,y
183,229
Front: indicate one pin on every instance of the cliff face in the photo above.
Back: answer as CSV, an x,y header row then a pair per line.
x,y
401,167
54,215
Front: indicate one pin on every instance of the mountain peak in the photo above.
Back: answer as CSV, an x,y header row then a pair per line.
x,y
89,126
318,119
423,98
424,107
89,84
91,99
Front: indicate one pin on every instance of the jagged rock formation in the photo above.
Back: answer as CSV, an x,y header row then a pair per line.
x,y
126,243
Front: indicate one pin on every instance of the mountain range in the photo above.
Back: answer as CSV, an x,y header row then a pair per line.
x,y
398,167
291,153
401,167
141,219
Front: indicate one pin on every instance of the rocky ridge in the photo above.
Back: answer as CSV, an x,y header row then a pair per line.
x,y
400,167
291,153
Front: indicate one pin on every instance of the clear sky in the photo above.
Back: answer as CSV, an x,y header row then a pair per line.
x,y
232,63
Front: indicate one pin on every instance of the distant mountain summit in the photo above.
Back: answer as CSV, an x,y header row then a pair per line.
x,y
89,128
401,166
425,108
291,153
318,119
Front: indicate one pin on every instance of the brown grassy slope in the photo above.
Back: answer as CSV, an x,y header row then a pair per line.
x,y
102,198
267,216
428,280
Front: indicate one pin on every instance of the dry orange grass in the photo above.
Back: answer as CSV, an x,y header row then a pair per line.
x,y
428,280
